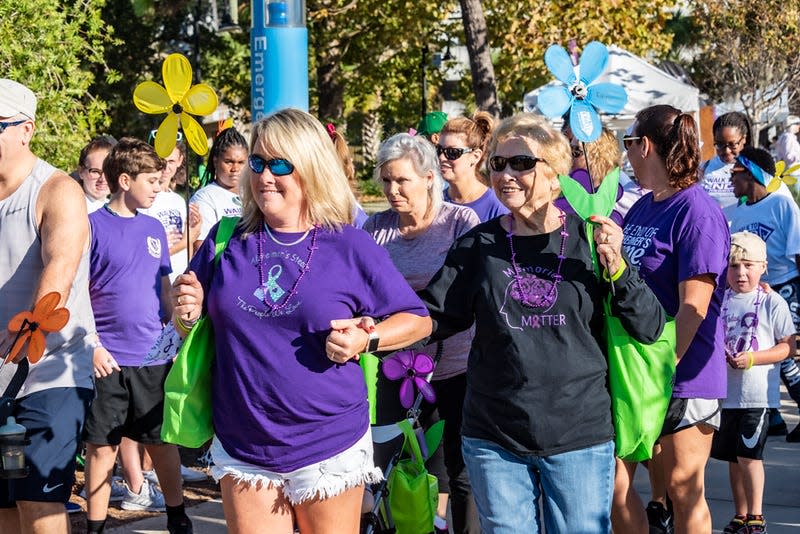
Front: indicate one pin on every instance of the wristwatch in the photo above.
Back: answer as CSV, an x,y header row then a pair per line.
x,y
373,342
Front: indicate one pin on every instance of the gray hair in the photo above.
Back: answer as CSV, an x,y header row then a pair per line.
x,y
420,152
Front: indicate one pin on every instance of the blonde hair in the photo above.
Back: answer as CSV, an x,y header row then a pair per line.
x,y
300,138
553,146
602,155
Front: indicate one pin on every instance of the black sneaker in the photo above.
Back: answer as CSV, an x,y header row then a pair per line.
x,y
181,526
778,429
756,526
794,435
659,519
736,526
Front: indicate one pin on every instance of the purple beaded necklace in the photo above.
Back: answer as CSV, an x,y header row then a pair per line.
x,y
734,346
270,286
533,292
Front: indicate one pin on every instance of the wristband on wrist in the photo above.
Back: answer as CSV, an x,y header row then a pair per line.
x,y
185,326
95,344
750,359
616,276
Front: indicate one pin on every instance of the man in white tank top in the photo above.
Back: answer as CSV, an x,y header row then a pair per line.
x,y
44,237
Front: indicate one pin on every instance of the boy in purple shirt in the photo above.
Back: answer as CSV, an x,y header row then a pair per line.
x,y
129,270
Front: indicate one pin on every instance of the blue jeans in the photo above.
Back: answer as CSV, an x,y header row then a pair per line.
x,y
574,489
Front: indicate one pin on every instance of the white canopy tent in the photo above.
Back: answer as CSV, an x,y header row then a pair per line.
x,y
646,85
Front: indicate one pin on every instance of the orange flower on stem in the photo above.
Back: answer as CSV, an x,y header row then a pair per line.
x,y
31,327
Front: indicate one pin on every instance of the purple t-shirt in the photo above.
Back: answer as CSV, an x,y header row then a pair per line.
x,y
278,401
487,206
129,256
671,241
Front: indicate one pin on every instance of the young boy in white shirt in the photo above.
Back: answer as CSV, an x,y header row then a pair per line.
x,y
758,334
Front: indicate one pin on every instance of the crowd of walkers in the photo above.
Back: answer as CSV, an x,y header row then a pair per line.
x,y
478,257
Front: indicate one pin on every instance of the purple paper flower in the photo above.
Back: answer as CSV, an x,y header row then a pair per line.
x,y
412,367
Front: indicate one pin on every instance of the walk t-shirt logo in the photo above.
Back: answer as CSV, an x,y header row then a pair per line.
x,y
154,246
760,229
636,240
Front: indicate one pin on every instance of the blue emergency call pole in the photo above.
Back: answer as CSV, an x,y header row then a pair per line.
x,y
278,56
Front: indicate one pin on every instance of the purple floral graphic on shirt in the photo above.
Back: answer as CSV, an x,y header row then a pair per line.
x,y
534,292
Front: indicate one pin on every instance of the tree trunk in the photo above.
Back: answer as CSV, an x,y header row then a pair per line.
x,y
330,86
371,134
484,84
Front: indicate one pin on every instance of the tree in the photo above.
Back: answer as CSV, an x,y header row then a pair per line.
x,y
749,52
52,48
521,34
480,60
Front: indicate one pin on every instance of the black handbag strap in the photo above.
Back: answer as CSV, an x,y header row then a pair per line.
x,y
17,380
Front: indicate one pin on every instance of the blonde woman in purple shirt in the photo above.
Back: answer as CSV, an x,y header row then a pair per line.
x,y
678,239
290,413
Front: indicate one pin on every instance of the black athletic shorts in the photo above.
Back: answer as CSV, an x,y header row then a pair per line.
x,y
53,419
742,434
128,403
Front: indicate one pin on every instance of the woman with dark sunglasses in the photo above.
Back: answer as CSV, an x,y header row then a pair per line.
x,y
292,436
537,430
678,238
462,151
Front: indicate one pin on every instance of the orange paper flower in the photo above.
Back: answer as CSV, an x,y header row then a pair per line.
x,y
31,327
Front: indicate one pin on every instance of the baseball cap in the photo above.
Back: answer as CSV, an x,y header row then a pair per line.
x,y
431,123
747,246
791,120
15,99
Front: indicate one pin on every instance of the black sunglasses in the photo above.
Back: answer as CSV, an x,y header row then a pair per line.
x,y
577,152
628,140
4,125
277,166
452,153
517,163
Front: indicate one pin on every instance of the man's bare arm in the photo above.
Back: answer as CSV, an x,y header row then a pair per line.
x,y
64,231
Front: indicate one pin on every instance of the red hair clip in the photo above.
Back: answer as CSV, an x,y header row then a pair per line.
x,y
331,130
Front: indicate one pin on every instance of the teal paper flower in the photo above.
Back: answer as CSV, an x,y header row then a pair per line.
x,y
579,95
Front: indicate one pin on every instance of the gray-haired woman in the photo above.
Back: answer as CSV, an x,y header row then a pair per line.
x,y
417,231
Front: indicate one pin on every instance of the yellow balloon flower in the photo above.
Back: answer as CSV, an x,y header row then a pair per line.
x,y
179,98
782,174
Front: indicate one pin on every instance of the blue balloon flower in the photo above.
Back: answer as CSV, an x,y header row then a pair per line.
x,y
578,94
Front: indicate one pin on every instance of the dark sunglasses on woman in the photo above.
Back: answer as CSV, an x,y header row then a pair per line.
x,y
277,166
517,163
452,153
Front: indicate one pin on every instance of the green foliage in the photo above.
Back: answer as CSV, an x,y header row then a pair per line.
x,y
523,33
56,49
749,51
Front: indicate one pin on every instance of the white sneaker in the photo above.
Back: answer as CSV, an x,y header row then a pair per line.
x,y
192,475
149,499
118,490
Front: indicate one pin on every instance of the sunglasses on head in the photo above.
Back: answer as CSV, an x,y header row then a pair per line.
x,y
517,163
452,153
277,166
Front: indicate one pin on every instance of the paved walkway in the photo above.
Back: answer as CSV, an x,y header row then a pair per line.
x,y
781,498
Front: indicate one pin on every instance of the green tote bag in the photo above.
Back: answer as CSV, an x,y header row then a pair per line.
x,y
187,390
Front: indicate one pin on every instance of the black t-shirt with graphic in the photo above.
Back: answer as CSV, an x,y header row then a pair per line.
x,y
537,377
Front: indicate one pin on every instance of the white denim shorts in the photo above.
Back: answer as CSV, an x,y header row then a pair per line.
x,y
322,480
